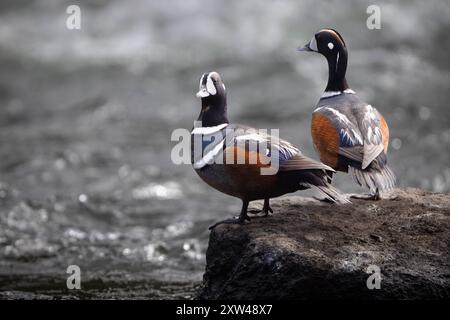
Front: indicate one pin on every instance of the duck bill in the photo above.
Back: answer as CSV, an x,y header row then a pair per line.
x,y
202,93
306,48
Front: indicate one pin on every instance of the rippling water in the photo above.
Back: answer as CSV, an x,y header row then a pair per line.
x,y
86,118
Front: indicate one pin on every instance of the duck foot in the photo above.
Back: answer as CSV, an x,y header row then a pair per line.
x,y
266,209
389,197
327,200
371,196
237,220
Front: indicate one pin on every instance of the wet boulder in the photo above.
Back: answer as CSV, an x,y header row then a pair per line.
x,y
387,249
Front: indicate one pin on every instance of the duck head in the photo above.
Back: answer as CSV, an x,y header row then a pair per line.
x,y
330,44
213,95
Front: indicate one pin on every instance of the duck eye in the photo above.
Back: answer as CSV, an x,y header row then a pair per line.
x,y
330,45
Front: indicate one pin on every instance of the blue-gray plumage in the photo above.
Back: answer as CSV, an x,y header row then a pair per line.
x,y
348,133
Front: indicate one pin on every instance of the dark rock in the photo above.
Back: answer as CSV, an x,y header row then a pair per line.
x,y
315,250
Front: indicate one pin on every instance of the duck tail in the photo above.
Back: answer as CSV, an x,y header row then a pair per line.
x,y
332,194
321,180
382,179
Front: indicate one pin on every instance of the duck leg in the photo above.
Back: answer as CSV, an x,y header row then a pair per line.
x,y
236,220
266,208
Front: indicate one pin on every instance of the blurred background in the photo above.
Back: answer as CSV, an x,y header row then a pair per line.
x,y
86,117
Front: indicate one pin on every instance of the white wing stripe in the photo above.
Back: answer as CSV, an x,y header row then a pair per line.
x,y
207,158
251,136
341,117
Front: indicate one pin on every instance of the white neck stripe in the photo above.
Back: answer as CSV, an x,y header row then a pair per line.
x,y
337,61
209,130
328,94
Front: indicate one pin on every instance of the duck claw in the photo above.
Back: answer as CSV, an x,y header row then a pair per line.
x,y
327,200
235,220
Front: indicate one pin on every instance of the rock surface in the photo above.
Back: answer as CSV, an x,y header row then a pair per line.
x,y
309,249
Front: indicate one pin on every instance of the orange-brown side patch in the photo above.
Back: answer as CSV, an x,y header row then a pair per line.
x,y
249,180
239,156
384,133
325,139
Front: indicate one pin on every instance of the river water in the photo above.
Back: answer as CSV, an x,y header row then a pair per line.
x,y
86,118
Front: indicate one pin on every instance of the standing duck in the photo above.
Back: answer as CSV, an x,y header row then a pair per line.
x,y
349,134
214,140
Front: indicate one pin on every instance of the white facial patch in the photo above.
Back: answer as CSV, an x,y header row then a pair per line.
x,y
330,45
313,44
201,81
202,93
210,87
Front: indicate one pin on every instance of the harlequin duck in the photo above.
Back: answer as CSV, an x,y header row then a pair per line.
x,y
215,141
349,134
